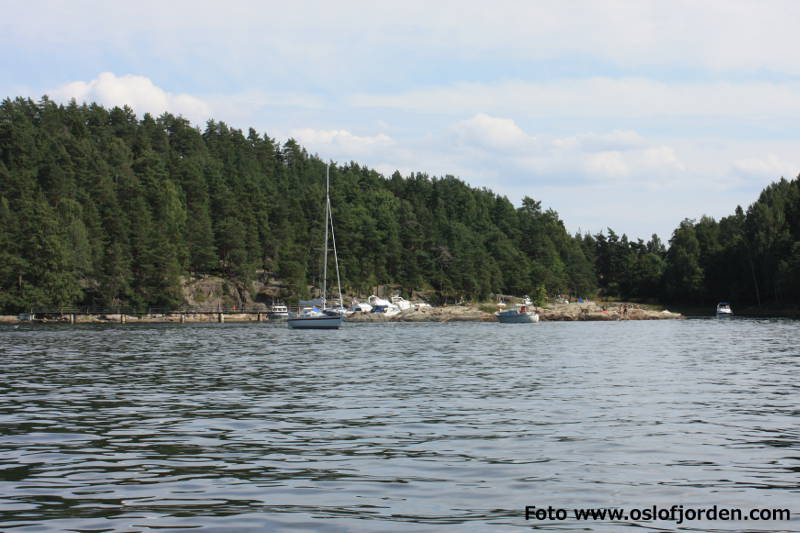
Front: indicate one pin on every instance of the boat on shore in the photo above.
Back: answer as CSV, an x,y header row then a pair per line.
x,y
401,302
518,315
315,317
385,307
724,310
360,307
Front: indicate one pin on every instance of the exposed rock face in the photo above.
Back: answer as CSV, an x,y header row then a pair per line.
x,y
591,311
211,292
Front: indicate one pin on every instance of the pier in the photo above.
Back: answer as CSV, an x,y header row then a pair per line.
x,y
122,315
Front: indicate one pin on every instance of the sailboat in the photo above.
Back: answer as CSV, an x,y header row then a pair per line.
x,y
321,317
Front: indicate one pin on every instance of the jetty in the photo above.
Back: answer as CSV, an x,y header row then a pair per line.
x,y
151,315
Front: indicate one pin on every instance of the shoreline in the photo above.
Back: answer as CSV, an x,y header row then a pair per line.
x,y
456,313
573,312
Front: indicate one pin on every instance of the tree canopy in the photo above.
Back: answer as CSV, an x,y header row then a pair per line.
x,y
99,207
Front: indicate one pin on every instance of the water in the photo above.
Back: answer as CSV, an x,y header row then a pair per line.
x,y
396,427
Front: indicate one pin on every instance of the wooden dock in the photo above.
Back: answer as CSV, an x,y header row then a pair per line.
x,y
125,315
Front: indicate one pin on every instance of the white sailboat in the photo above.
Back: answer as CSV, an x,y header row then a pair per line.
x,y
314,317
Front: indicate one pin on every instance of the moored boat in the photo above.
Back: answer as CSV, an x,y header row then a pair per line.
x,y
313,317
518,315
724,309
278,312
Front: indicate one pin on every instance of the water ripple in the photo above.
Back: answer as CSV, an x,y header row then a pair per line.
x,y
394,427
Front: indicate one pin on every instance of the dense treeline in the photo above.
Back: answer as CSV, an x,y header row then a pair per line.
x,y
98,207
750,257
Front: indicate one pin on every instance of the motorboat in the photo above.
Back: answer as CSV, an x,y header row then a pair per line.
x,y
377,300
519,315
401,302
360,307
388,310
278,312
385,307
724,309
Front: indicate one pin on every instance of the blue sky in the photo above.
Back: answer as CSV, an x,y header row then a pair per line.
x,y
624,114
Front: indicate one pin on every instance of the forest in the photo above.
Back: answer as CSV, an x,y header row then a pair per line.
x,y
101,208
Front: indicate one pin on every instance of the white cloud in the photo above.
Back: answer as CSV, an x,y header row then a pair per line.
x,y
661,156
599,97
247,102
492,133
341,143
718,35
770,165
138,92
487,142
650,167
615,140
607,165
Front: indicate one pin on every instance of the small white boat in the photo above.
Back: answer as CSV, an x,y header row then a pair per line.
x,y
360,307
401,302
379,305
518,315
278,312
724,309
388,310
377,300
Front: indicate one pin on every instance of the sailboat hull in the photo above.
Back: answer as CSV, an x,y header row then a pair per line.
x,y
316,322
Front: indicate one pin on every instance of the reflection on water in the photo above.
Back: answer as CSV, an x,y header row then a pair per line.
x,y
399,427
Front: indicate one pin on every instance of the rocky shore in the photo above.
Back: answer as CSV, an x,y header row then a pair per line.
x,y
593,311
554,312
453,313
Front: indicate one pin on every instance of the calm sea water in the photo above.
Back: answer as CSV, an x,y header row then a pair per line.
x,y
396,427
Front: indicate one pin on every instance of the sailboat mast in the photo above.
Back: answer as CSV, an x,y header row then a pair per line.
x,y
325,247
335,256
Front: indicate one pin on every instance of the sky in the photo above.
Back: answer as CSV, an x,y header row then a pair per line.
x,y
632,115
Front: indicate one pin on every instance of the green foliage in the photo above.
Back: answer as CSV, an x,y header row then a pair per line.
x,y
748,258
540,296
684,275
101,208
